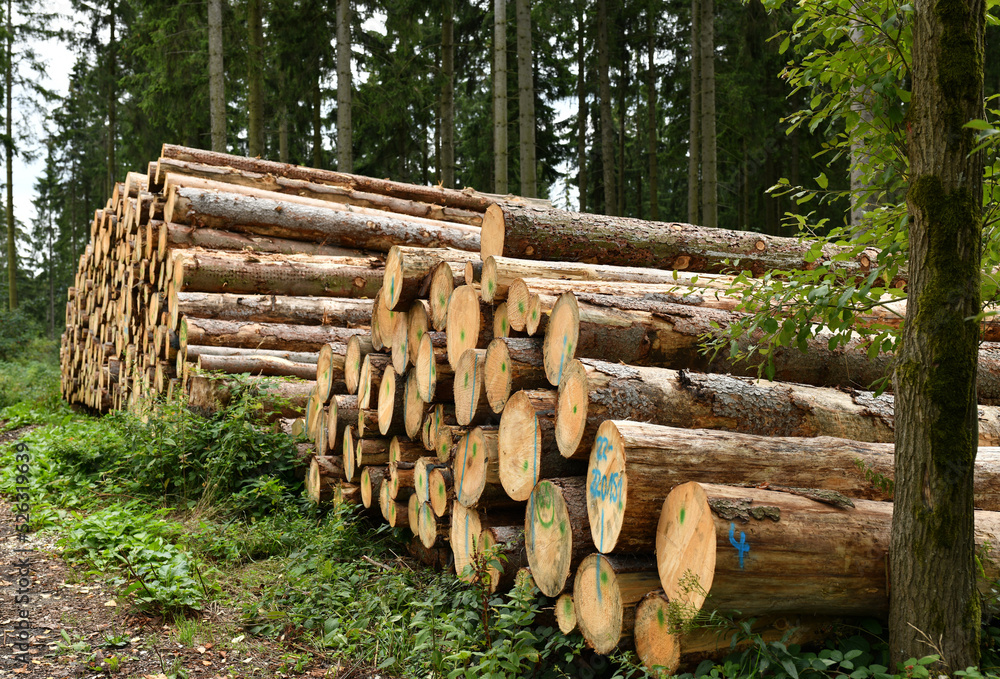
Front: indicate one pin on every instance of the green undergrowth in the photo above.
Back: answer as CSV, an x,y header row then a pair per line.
x,y
183,512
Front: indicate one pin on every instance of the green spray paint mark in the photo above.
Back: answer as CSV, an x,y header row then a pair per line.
x,y
682,516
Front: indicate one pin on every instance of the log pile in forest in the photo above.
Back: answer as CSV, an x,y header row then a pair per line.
x,y
498,376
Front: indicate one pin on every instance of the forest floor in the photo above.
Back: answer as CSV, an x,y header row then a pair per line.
x,y
78,627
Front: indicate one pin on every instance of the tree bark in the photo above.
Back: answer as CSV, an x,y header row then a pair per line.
x,y
559,235
8,144
306,219
526,99
263,335
469,200
334,193
408,270
294,275
448,95
345,157
932,557
255,79
178,236
216,77
500,96
275,309
271,366
709,170
744,546
607,123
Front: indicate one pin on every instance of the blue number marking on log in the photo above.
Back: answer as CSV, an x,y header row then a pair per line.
x,y
602,445
741,547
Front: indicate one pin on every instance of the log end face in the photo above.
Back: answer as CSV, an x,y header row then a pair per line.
x,y
488,279
441,288
561,337
413,407
400,342
656,646
571,408
438,492
518,296
501,323
465,530
534,317
366,488
519,447
352,364
470,466
494,229
607,487
565,613
468,385
686,546
463,323
497,375
548,538
392,279
426,370
598,601
386,401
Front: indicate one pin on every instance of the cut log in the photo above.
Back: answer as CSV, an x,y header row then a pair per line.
x,y
605,593
438,558
344,226
338,193
372,452
413,515
475,466
395,513
761,551
429,527
565,613
358,347
464,199
282,397
432,366
349,313
323,478
348,455
554,235
342,412
309,338
414,408
195,350
441,288
347,494
401,481
442,493
505,556
403,450
467,526
391,405
373,369
421,472
500,272
172,236
408,272
470,393
257,365
294,275
512,364
501,324
664,645
634,465
670,335
557,531
526,443
464,322
419,324
330,370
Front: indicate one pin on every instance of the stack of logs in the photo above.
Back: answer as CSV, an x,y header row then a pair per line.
x,y
493,373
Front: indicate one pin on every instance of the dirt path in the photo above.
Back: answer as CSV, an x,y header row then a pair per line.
x,y
108,639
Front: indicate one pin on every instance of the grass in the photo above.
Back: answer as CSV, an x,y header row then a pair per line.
x,y
184,513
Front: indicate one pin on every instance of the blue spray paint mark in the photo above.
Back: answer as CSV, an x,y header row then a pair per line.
x,y
461,480
562,357
472,400
741,547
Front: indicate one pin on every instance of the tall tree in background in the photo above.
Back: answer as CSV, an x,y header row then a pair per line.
x,y
8,143
932,552
216,77
255,78
581,96
500,96
694,142
345,158
607,123
652,118
447,134
526,100
709,168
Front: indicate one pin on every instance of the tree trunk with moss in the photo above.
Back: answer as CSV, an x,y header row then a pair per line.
x,y
933,595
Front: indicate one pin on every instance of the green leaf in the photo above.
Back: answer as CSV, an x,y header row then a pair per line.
x,y
822,180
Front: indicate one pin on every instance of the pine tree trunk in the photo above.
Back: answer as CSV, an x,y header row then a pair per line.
x,y
652,139
623,115
345,157
447,135
317,117
581,95
607,123
255,79
526,99
932,553
709,170
694,143
500,96
216,77
9,148
112,94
